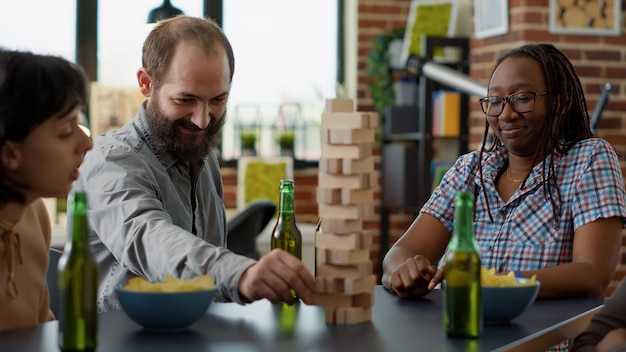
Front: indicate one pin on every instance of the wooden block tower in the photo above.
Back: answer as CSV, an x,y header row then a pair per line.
x,y
344,275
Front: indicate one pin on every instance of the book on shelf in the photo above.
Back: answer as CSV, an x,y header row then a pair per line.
x,y
446,113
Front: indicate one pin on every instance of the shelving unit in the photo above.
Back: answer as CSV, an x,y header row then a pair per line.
x,y
408,145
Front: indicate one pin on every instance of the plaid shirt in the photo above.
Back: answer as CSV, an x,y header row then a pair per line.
x,y
524,234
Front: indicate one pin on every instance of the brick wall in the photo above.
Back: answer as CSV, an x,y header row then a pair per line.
x,y
598,59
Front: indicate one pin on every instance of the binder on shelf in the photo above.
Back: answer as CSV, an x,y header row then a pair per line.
x,y
437,170
446,113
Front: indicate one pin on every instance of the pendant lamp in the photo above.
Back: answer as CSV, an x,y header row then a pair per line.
x,y
163,12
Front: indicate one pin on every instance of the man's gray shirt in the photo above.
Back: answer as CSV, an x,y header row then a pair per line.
x,y
152,214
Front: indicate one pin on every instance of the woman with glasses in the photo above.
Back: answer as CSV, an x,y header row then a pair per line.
x,y
549,196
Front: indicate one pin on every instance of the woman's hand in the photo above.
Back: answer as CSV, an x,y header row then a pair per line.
x,y
415,277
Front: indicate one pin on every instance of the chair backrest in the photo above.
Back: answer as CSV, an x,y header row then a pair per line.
x,y
51,279
244,227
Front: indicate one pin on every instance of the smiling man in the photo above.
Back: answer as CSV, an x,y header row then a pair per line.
x,y
155,188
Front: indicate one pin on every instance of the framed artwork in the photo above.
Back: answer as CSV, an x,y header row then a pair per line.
x,y
491,18
259,178
110,107
588,17
436,18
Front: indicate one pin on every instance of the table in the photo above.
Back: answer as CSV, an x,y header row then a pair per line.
x,y
397,325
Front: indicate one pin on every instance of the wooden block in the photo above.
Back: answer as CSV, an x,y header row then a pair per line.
x,y
328,285
346,120
335,300
373,180
345,211
352,315
357,196
357,166
346,286
342,256
374,119
331,165
362,285
357,181
339,105
341,226
325,136
347,151
355,271
332,299
356,240
346,166
329,314
329,195
349,136
363,299
344,196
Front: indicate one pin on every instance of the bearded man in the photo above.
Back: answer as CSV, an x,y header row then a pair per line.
x,y
154,186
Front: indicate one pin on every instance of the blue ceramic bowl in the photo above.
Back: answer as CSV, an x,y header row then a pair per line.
x,y
501,304
165,311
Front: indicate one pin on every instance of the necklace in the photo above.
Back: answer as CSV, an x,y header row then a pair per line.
x,y
508,175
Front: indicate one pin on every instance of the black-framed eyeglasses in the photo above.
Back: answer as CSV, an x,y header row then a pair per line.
x,y
520,102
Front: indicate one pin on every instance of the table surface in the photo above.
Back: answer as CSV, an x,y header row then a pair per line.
x,y
397,325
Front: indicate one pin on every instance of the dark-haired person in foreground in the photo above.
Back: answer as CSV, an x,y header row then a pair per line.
x,y
42,148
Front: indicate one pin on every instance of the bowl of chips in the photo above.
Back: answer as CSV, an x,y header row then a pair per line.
x,y
505,297
171,305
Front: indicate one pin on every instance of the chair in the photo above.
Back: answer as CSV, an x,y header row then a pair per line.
x,y
244,227
607,88
51,279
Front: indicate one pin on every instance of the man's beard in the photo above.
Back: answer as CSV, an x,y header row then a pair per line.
x,y
188,148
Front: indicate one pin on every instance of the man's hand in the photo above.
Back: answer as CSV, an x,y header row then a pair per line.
x,y
613,338
274,276
415,277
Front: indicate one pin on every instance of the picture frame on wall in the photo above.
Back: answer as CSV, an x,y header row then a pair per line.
x,y
591,17
437,18
491,18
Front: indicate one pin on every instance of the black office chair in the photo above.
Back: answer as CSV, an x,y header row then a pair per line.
x,y
51,279
244,227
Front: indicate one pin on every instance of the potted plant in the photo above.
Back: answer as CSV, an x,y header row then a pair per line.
x,y
248,143
286,142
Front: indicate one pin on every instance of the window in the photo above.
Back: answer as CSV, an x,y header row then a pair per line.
x,y
286,58
286,66
42,27
122,28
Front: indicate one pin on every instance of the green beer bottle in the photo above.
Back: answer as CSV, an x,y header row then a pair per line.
x,y
78,283
462,303
286,234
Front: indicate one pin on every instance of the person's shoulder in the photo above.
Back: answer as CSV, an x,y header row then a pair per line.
x,y
591,143
36,215
38,210
592,146
115,143
472,158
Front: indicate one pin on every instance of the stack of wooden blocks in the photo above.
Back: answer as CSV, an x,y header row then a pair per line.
x,y
343,269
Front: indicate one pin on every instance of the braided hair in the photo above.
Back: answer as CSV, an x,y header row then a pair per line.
x,y
566,111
